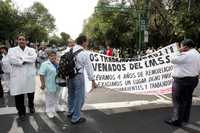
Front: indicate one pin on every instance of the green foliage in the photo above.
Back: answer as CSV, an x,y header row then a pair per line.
x,y
168,21
55,40
35,22
10,20
64,38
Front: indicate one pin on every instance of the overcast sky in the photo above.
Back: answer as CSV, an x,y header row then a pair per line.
x,y
69,14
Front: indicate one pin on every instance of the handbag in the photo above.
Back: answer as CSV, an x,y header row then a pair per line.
x,y
60,81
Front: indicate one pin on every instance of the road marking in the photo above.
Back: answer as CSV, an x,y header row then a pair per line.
x,y
112,105
8,110
193,127
108,105
50,124
169,98
180,130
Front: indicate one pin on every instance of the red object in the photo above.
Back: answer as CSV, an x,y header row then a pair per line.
x,y
109,52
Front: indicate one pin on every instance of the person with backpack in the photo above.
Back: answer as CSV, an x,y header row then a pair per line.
x,y
76,82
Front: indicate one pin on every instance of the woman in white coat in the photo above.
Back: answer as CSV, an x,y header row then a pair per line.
x,y
22,76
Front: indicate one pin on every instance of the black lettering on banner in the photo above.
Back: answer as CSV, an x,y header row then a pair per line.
x,y
161,61
167,59
132,88
129,75
160,53
157,61
127,82
94,65
161,84
155,54
150,56
123,67
166,51
106,67
139,81
102,58
154,78
99,77
159,70
94,57
119,77
166,76
145,86
140,74
135,66
171,49
91,57
100,67
109,83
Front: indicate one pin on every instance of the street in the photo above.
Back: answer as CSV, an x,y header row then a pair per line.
x,y
106,111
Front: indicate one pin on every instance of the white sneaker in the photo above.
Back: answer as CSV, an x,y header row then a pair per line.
x,y
60,108
50,114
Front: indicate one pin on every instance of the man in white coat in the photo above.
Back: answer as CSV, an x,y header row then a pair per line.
x,y
22,77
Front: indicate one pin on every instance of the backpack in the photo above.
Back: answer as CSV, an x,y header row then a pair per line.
x,y
67,65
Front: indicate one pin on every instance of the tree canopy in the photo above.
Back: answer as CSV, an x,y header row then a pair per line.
x,y
167,21
35,22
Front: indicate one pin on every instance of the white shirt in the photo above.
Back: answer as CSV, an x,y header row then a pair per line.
x,y
83,62
186,64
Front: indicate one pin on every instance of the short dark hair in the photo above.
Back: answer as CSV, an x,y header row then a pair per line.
x,y
188,42
17,37
50,52
81,39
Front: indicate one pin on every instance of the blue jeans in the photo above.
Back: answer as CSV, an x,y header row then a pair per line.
x,y
76,96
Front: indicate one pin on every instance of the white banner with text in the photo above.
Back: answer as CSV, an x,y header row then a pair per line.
x,y
149,74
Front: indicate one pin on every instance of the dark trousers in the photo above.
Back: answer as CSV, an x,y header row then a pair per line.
x,y
1,90
19,102
182,89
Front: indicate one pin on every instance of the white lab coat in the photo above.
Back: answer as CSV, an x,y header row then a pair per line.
x,y
22,76
6,67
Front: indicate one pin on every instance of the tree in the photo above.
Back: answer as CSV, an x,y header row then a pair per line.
x,y
114,27
168,21
35,22
54,40
41,16
10,21
39,23
64,38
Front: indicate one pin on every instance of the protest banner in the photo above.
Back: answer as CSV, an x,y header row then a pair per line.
x,y
149,74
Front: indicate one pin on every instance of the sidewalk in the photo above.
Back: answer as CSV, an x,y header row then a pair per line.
x,y
121,120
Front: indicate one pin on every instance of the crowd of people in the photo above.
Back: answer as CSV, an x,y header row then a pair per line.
x,y
18,70
21,77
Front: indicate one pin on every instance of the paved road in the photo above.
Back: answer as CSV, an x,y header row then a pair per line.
x,y
107,111
119,120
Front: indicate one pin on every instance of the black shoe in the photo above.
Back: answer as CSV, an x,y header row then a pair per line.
x,y
81,120
185,120
173,122
1,94
22,118
32,110
69,115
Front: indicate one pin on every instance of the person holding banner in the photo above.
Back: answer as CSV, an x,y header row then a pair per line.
x,y
76,85
185,75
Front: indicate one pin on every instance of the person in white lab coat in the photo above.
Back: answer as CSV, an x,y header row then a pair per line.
x,y
22,76
6,67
